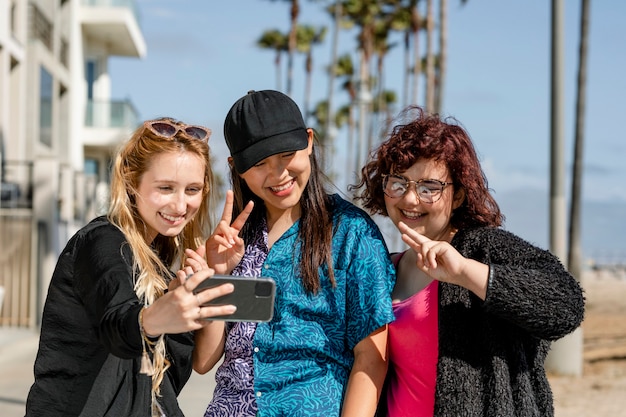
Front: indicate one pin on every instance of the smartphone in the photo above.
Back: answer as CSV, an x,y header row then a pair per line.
x,y
253,297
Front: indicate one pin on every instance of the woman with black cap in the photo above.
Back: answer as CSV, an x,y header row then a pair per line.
x,y
324,351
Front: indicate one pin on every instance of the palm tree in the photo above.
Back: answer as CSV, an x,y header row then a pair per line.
x,y
363,13
294,12
416,25
381,48
403,22
383,105
442,67
320,116
574,251
308,36
440,79
344,69
274,39
430,63
335,11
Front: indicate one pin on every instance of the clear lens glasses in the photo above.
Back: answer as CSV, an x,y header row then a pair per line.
x,y
427,190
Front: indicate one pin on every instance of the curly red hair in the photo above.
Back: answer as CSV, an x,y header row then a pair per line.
x,y
428,136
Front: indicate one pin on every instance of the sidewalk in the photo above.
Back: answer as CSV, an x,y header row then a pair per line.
x,y
18,348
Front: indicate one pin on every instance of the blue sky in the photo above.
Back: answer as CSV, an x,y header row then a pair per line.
x,y
201,57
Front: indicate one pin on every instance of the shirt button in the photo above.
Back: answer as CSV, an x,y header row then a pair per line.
x,y
258,393
256,349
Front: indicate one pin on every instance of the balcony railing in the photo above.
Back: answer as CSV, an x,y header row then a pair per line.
x,y
111,114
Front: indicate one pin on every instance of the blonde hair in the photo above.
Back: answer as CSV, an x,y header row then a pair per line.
x,y
152,261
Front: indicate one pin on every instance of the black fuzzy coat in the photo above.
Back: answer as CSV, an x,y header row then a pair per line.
x,y
492,352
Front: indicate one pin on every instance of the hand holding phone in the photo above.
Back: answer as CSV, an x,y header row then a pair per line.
x,y
253,297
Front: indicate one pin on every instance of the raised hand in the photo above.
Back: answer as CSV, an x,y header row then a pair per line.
x,y
441,261
436,258
224,248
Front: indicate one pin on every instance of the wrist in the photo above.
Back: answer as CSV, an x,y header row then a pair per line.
x,y
144,332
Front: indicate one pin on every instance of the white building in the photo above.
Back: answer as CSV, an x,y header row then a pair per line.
x,y
58,128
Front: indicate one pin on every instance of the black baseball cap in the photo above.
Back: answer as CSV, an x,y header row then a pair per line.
x,y
261,124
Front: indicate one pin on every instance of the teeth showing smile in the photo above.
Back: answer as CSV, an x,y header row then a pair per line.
x,y
411,214
282,187
172,218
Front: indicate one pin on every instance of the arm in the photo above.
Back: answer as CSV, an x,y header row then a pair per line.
x,y
209,346
367,376
523,284
222,251
103,282
528,286
531,288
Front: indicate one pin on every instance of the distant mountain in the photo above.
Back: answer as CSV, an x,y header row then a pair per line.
x,y
603,224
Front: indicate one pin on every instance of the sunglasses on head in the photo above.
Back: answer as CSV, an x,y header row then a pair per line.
x,y
167,129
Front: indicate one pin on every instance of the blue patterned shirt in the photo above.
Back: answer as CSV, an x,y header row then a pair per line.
x,y
298,364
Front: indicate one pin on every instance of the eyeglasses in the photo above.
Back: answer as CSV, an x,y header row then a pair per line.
x,y
167,129
427,190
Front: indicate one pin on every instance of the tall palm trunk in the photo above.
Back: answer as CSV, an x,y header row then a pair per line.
x,y
331,78
307,86
443,55
417,59
279,75
566,354
292,43
430,58
364,95
407,69
574,258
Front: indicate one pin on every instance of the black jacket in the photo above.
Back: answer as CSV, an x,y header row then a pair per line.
x,y
492,352
90,345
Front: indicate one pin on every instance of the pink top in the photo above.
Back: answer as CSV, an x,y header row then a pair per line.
x,y
413,354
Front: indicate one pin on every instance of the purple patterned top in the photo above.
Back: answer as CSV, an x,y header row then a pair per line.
x,y
234,390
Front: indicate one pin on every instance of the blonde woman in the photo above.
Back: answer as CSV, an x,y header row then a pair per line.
x,y
117,326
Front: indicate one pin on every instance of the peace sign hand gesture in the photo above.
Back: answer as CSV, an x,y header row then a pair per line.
x,y
441,261
224,248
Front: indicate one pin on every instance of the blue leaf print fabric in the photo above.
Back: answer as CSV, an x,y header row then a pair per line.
x,y
301,360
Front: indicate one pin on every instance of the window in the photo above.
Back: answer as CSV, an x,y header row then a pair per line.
x,y
90,75
45,108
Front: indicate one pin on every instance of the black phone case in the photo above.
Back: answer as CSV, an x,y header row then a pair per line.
x,y
253,297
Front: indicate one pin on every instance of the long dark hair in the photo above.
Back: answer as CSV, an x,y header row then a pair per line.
x,y
428,136
316,222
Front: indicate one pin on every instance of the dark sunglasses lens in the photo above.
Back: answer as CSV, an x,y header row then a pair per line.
x,y
196,132
164,129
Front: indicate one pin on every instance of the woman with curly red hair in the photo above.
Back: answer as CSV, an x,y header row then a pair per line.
x,y
476,306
